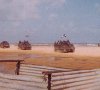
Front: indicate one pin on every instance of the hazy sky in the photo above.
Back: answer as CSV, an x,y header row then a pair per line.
x,y
47,20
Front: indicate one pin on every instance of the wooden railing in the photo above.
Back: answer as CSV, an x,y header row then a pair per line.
x,y
62,79
73,79
33,77
18,62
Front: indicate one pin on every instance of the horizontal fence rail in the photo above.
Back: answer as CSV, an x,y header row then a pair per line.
x,y
18,62
73,80
64,79
33,77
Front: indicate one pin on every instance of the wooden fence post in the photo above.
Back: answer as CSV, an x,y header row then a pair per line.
x,y
49,81
17,67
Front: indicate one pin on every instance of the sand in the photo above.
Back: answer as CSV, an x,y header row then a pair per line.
x,y
84,57
92,51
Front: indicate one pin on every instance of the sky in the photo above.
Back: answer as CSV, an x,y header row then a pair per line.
x,y
45,21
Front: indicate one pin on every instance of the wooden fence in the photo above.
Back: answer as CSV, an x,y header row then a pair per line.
x,y
73,80
18,62
33,77
64,79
